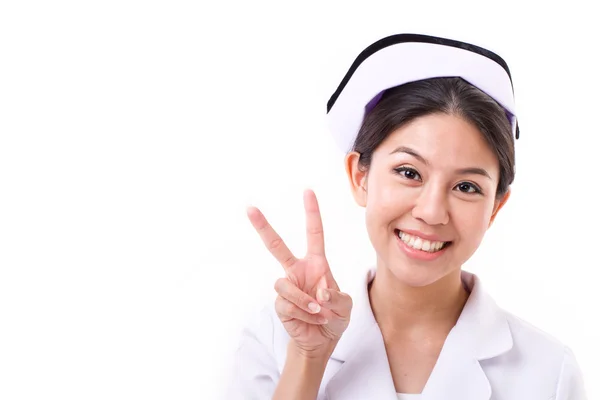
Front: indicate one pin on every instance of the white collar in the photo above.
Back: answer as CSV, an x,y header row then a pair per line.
x,y
481,332
481,319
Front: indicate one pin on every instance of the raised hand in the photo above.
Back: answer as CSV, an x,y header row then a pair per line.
x,y
312,309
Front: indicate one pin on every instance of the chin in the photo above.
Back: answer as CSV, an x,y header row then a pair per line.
x,y
416,275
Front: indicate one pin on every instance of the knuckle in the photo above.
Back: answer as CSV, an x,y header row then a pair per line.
x,y
293,298
347,299
302,300
288,262
315,230
279,304
279,285
292,278
289,309
262,226
274,243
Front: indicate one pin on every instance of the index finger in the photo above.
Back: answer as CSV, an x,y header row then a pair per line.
x,y
270,238
314,225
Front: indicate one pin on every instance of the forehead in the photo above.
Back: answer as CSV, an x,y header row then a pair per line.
x,y
443,140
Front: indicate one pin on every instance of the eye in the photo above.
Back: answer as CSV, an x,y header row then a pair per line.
x,y
408,173
468,187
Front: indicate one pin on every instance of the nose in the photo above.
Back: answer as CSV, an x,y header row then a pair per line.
x,y
432,205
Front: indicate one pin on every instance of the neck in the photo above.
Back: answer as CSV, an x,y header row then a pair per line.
x,y
397,306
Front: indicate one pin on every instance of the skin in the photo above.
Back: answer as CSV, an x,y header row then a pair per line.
x,y
429,186
314,332
435,175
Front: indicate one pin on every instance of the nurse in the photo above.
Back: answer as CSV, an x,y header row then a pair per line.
x,y
428,125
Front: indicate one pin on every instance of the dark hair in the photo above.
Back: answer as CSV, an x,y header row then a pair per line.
x,y
453,96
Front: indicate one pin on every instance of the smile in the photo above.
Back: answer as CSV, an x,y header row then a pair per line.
x,y
420,244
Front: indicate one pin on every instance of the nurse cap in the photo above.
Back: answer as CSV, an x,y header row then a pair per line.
x,y
399,59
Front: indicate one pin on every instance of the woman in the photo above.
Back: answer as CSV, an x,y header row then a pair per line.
x,y
429,125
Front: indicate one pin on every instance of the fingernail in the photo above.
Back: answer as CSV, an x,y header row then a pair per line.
x,y
323,320
324,295
314,307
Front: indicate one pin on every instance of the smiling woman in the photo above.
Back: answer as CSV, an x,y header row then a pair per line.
x,y
428,126
434,177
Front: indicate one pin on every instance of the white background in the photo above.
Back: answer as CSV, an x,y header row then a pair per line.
x,y
134,134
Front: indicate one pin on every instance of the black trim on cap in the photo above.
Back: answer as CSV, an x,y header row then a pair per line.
x,y
414,38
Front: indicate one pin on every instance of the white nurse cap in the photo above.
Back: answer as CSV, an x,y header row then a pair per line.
x,y
399,59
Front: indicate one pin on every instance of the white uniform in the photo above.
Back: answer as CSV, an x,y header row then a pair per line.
x,y
488,355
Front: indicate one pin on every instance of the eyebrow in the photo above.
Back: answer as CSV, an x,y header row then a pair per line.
x,y
461,171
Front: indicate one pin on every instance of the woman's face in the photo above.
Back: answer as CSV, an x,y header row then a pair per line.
x,y
430,195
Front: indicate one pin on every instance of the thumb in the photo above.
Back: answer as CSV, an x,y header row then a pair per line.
x,y
338,302
322,284
329,281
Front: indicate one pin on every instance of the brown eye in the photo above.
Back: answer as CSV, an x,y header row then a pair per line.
x,y
467,187
408,173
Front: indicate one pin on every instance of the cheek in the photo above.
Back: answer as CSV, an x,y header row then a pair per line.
x,y
472,221
380,196
387,200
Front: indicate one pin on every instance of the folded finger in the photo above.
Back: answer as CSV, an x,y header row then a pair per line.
x,y
286,289
286,310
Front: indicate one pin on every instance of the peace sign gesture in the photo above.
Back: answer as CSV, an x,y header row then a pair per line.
x,y
312,309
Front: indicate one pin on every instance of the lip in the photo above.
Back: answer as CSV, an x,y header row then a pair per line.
x,y
419,254
431,238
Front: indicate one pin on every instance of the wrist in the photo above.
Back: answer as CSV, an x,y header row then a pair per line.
x,y
302,374
311,356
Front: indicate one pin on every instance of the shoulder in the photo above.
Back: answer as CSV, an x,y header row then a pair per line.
x,y
522,338
530,338
517,354
543,359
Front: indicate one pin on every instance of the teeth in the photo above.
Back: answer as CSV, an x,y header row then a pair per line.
x,y
418,243
426,245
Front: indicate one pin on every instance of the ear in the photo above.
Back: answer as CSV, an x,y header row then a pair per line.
x,y
498,205
357,177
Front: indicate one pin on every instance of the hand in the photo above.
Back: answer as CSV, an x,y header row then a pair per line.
x,y
309,304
